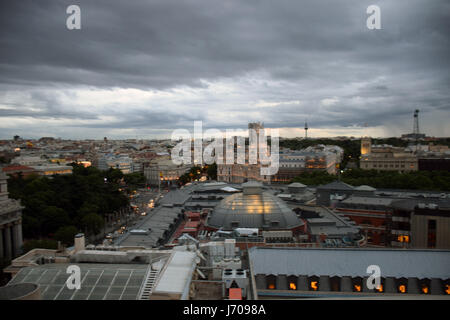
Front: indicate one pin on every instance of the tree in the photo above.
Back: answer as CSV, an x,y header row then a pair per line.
x,y
314,178
65,200
66,234
42,244
92,222
134,179
52,219
185,178
114,175
211,171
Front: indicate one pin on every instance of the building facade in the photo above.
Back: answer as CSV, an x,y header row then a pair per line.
x,y
122,162
292,273
421,224
164,171
49,170
240,173
10,223
387,158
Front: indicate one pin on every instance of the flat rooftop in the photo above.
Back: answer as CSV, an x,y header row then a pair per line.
x,y
98,281
339,262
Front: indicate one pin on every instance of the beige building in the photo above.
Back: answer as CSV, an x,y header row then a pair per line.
x,y
240,173
386,158
430,232
51,169
165,171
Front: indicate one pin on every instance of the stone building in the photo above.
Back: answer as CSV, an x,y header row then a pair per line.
x,y
387,157
10,222
242,172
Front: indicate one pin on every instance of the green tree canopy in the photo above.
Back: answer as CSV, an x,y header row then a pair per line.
x,y
92,222
66,234
64,200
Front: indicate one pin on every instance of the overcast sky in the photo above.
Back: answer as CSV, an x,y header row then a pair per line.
x,y
144,68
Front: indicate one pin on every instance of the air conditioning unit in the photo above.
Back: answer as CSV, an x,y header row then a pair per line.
x,y
49,259
235,278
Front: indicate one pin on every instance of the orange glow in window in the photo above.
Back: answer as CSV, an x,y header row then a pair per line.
x,y
357,288
425,290
402,288
380,288
447,288
271,286
314,285
292,286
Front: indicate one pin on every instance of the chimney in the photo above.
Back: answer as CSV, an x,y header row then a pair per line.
x,y
79,242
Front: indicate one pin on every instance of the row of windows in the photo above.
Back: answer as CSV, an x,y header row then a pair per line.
x,y
389,166
292,165
400,284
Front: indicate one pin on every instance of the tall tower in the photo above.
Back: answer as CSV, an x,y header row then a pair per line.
x,y
366,146
416,131
306,130
253,149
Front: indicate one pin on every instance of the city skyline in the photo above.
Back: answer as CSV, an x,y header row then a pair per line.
x,y
147,69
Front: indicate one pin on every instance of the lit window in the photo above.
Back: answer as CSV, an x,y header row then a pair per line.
x,y
447,288
357,288
314,286
380,288
271,286
292,286
425,290
402,288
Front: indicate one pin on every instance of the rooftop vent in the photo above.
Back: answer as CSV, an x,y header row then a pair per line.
x,y
252,187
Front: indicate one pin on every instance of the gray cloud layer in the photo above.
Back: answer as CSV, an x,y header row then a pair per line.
x,y
223,62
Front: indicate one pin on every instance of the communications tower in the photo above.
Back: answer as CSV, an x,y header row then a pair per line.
x,y
306,130
416,131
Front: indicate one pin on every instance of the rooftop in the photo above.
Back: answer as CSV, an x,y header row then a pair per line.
x,y
98,281
296,185
158,222
395,263
253,211
365,188
336,185
380,201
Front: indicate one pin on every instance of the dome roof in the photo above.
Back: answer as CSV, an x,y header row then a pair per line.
x,y
296,185
243,210
365,188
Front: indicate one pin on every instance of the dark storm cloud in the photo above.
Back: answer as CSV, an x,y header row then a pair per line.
x,y
317,52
